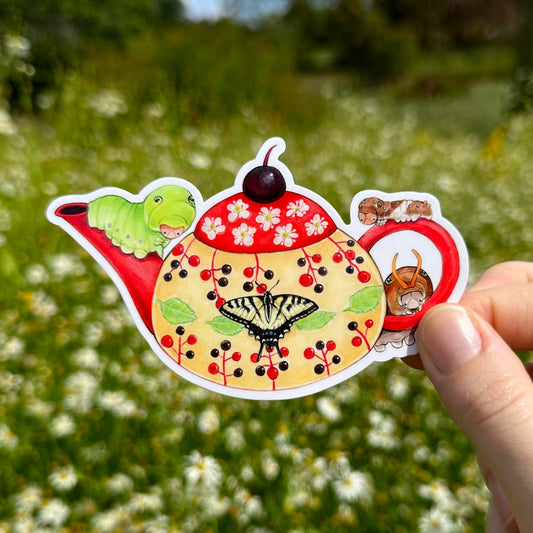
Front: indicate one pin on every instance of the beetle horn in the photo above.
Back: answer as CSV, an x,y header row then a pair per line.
x,y
395,274
418,267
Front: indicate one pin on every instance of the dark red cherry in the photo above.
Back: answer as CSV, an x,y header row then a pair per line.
x,y
264,184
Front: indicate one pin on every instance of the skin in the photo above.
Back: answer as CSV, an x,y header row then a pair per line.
x,y
467,351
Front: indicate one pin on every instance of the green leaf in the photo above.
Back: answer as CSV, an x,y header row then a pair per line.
x,y
225,326
176,311
315,320
365,300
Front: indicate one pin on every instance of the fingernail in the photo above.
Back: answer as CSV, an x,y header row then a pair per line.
x,y
447,338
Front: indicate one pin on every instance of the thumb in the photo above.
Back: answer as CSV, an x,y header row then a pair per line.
x,y
486,389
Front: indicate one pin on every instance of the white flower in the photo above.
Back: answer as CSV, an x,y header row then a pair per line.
x,y
108,103
63,478
53,513
109,294
354,487
7,127
201,161
8,440
328,408
117,403
16,46
36,274
436,521
142,502
268,217
209,421
80,390
316,226
62,425
269,465
238,209
200,470
86,358
298,208
212,227
234,436
244,234
398,386
29,499
119,483
285,235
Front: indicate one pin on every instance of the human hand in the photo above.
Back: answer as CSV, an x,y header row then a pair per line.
x,y
467,351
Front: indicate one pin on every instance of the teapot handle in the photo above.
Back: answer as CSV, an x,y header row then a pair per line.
x,y
449,253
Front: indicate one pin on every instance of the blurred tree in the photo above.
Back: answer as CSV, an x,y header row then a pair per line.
x,y
62,32
521,93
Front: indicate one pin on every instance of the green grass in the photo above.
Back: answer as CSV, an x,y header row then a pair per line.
x,y
276,466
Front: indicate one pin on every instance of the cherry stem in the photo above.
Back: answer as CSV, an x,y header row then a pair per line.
x,y
265,161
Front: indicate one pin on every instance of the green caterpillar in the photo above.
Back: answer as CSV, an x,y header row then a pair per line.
x,y
148,226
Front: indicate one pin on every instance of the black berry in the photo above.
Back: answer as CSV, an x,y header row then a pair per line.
x,y
215,352
320,345
318,288
175,263
322,271
180,330
351,243
269,274
183,273
336,359
223,282
359,259
352,326
211,295
301,261
284,365
189,354
350,269
260,370
225,345
264,184
238,372
248,286
167,276
319,369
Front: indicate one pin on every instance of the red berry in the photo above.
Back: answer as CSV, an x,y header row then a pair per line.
x,y
272,373
178,249
248,272
205,274
357,341
220,302
194,260
236,356
369,323
284,351
191,339
253,357
316,258
309,353
261,289
364,276
337,257
306,280
350,254
213,368
330,345
167,341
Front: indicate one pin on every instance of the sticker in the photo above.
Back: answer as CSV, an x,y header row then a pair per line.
x,y
263,291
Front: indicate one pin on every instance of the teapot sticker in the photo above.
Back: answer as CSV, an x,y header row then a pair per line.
x,y
262,291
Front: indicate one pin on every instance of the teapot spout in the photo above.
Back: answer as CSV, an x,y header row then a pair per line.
x,y
135,278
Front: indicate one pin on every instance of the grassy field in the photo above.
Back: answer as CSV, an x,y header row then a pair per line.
x,y
97,435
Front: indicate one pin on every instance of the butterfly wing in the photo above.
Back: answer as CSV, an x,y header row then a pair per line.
x,y
268,318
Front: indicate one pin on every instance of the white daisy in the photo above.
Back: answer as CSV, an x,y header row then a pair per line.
x,y
213,227
298,209
238,209
268,217
354,487
244,234
285,235
63,478
316,226
200,470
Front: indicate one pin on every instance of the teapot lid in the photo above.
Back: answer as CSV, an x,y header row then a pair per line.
x,y
264,216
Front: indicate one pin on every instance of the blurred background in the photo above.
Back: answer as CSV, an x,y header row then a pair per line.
x,y
95,433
